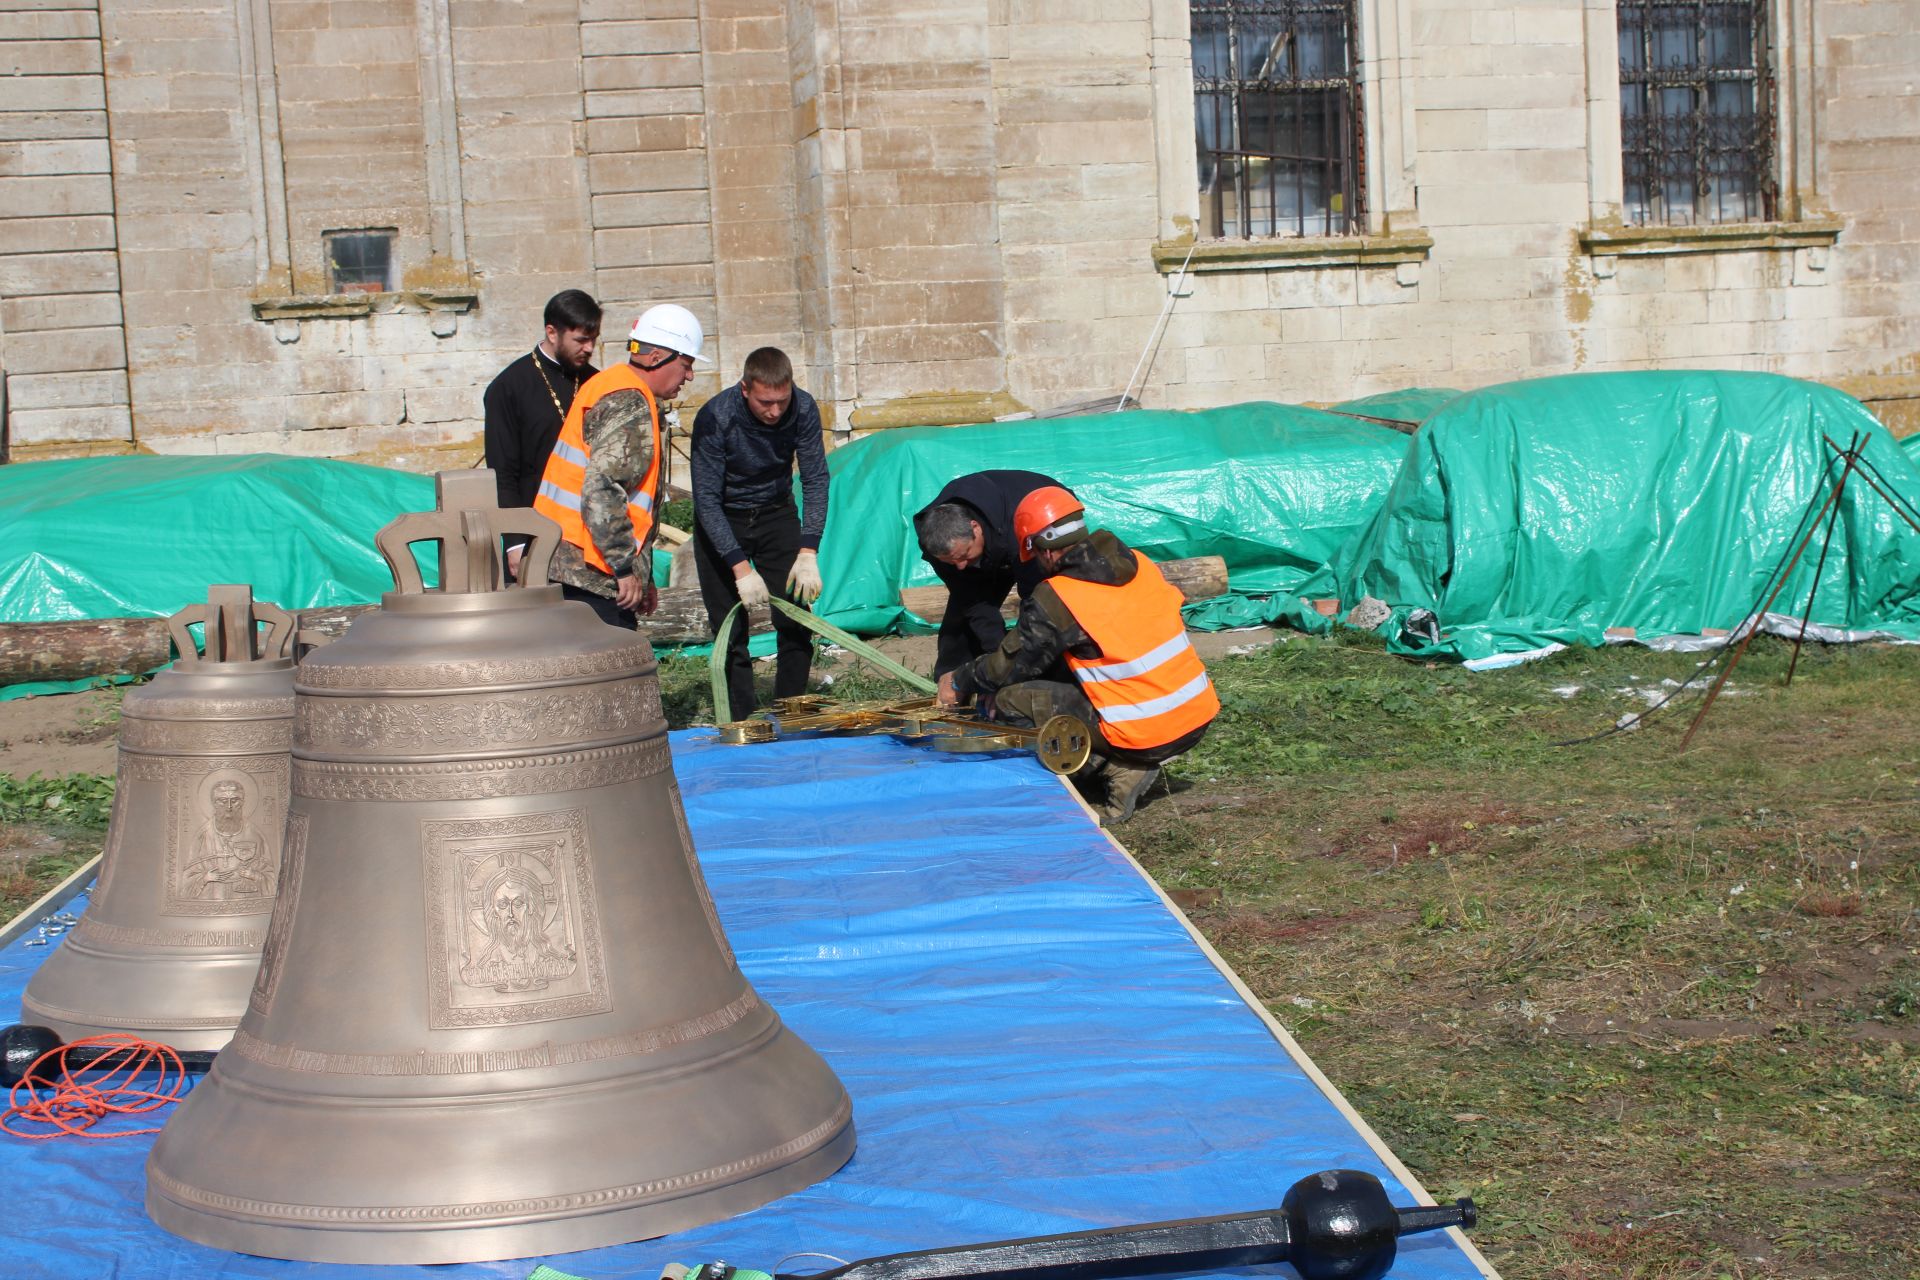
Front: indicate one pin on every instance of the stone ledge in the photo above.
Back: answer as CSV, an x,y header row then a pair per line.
x,y
1724,237
338,306
1284,253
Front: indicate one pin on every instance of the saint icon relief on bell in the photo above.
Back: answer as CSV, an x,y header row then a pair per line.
x,y
233,858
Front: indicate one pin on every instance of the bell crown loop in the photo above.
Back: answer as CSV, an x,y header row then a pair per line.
x,y
230,623
467,522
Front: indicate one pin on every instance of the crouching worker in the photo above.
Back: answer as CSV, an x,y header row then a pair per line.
x,y
1100,638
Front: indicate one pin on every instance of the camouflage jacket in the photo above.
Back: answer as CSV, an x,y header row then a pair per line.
x,y
1046,632
618,432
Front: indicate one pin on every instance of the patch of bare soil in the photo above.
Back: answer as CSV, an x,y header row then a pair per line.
x,y
57,734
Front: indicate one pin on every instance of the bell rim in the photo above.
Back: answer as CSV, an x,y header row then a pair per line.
x,y
564,1228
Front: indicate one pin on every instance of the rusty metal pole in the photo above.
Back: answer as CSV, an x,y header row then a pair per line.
x,y
1720,680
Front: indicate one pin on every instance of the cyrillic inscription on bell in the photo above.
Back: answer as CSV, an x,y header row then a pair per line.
x,y
168,947
496,1014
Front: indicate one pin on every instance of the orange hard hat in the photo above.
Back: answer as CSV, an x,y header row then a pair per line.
x,y
1048,517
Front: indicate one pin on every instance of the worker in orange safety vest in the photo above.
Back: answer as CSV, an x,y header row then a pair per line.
x,y
605,479
1101,638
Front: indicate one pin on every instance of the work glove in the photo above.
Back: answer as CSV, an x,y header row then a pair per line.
x,y
803,580
752,588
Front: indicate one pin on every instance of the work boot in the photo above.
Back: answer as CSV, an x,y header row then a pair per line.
x,y
1090,780
1125,785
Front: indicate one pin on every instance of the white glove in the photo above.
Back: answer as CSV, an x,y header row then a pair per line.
x,y
803,580
752,588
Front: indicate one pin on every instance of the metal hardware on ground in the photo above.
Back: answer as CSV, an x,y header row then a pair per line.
x,y
1062,744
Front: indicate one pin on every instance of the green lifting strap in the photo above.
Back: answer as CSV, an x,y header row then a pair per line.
x,y
717,660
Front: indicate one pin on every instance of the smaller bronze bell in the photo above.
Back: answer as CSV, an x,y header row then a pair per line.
x,y
170,944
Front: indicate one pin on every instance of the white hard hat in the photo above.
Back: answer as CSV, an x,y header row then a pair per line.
x,y
673,327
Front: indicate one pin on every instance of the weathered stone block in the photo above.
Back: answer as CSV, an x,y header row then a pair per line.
x,y
34,273
65,390
56,196
662,35
645,102
49,57
345,409
650,209
1324,287
18,126
647,71
55,24
64,351
61,311
56,235
653,171
636,288
52,159
653,246
55,426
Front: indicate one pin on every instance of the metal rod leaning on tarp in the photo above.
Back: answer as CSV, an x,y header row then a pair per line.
x,y
1753,623
717,660
1870,474
1819,568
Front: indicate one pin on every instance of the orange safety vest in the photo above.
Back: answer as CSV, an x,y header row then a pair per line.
x,y
1147,686
559,496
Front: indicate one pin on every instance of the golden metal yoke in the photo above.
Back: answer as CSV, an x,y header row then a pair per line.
x,y
1063,743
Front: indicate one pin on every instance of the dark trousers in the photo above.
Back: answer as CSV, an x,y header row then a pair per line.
x,y
771,538
610,612
973,624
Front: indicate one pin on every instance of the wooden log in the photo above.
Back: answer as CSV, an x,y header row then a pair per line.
x,y
80,650
95,647
1200,578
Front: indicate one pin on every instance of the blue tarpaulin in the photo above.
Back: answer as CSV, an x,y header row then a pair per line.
x,y
1033,1040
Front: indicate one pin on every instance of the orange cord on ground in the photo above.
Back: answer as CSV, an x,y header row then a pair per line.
x,y
76,1104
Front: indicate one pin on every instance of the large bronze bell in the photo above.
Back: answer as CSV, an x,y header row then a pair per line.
x,y
497,1015
168,948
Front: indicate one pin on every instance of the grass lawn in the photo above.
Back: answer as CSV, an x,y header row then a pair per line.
x,y
1658,1013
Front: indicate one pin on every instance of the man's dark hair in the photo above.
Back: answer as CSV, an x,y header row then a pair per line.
x,y
769,367
942,525
573,309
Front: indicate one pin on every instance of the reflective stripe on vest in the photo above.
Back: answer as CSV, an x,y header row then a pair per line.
x,y
558,497
1148,686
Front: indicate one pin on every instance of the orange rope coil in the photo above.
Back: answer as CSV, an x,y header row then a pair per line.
x,y
52,1095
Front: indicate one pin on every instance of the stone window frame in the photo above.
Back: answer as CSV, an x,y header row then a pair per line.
x,y
275,300
1803,226
1393,236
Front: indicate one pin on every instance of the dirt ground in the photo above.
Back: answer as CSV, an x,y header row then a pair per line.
x,y
58,734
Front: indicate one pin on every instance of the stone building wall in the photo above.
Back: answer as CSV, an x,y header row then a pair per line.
x,y
63,355
944,209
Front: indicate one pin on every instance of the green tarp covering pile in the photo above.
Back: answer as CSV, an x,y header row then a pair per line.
x,y
145,537
1412,406
1275,489
1519,515
1549,511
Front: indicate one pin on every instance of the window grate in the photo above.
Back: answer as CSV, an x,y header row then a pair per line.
x,y
1696,111
1277,113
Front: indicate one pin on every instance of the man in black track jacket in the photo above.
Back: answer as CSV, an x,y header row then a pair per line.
x,y
966,534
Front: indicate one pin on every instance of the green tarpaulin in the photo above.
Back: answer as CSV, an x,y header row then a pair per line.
x,y
1412,406
1549,511
145,536
1275,489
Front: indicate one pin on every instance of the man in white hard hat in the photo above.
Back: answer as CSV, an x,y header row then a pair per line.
x,y
604,481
